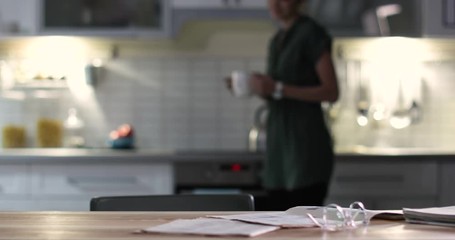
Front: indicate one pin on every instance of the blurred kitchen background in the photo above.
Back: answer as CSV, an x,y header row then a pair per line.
x,y
73,71
167,80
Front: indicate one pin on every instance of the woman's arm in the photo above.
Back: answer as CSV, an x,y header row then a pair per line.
x,y
326,91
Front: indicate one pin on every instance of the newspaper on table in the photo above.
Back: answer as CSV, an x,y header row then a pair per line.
x,y
441,216
297,217
256,223
211,227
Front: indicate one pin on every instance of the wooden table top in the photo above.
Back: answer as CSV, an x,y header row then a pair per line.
x,y
121,225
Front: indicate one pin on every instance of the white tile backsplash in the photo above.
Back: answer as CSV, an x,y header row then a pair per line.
x,y
181,102
176,103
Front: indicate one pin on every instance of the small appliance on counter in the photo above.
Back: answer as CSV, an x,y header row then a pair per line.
x,y
122,137
257,135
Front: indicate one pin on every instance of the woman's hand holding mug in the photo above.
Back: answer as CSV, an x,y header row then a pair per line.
x,y
239,83
262,85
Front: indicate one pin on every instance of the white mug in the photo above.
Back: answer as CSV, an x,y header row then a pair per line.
x,y
241,83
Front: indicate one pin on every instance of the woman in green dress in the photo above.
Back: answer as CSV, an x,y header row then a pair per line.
x,y
300,75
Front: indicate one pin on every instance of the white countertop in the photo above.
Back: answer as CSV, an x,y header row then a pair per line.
x,y
106,154
147,155
394,151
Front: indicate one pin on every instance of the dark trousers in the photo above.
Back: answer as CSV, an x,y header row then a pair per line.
x,y
281,200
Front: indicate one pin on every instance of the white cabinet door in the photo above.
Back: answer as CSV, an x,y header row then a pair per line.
x,y
439,18
14,181
18,17
90,180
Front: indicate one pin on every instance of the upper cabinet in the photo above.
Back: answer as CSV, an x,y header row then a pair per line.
x,y
414,18
188,10
125,18
439,18
164,18
18,17
193,4
104,17
340,17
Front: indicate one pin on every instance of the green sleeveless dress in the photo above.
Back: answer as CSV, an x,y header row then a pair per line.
x,y
299,145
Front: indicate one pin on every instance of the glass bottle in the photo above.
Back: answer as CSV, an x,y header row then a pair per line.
x,y
74,128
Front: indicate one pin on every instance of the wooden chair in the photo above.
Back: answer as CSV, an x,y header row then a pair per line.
x,y
183,202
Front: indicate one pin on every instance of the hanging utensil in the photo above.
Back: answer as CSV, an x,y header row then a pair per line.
x,y
257,135
363,103
400,118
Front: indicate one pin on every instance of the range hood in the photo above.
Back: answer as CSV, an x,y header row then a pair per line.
x,y
358,18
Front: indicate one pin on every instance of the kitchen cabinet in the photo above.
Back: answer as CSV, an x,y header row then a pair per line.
x,y
14,180
70,186
125,18
219,4
439,18
423,18
66,179
385,183
447,197
83,179
357,18
61,184
15,187
18,17
184,11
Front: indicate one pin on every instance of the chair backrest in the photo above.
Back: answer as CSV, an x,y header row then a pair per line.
x,y
183,202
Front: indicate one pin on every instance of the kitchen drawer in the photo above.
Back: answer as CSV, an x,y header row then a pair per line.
x,y
61,204
81,180
447,197
386,178
17,205
13,180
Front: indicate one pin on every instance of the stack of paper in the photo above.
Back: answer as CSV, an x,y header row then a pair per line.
x,y
211,227
256,223
442,216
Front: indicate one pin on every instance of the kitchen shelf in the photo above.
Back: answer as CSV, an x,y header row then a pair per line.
x,y
35,89
41,85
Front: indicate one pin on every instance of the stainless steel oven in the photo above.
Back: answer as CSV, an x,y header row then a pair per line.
x,y
222,173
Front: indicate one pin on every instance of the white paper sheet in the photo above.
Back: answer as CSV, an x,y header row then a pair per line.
x,y
211,227
280,219
317,212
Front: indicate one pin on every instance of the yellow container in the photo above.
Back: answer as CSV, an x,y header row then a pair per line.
x,y
13,136
49,133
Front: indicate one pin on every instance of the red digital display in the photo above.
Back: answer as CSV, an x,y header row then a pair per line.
x,y
236,167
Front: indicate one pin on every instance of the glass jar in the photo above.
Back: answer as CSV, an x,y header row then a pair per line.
x,y
74,130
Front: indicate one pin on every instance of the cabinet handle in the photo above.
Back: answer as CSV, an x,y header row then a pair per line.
x,y
102,180
370,178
